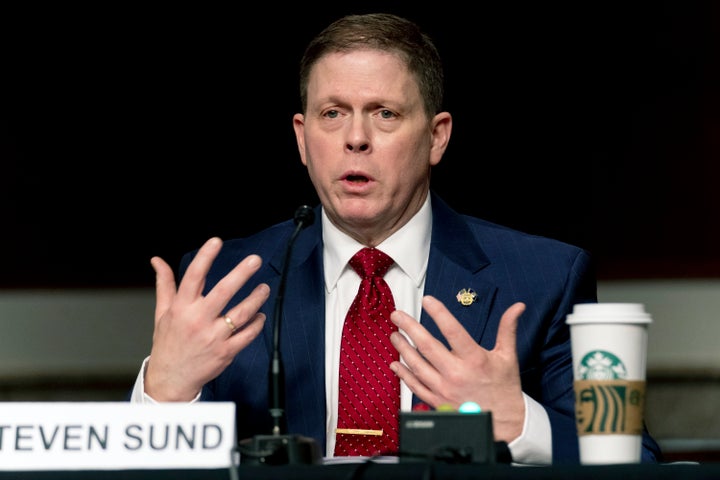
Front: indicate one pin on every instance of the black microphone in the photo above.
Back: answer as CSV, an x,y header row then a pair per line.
x,y
281,449
304,217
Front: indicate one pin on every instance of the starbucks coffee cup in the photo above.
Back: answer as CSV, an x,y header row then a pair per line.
x,y
609,351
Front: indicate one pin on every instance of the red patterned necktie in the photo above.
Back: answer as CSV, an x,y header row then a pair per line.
x,y
369,394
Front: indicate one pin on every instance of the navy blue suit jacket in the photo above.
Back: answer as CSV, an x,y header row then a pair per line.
x,y
502,265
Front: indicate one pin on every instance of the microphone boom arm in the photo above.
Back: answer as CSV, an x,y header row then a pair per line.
x,y
304,217
277,448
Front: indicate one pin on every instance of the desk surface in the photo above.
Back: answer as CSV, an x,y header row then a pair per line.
x,y
405,471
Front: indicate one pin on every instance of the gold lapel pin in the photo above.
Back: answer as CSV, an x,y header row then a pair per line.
x,y
466,296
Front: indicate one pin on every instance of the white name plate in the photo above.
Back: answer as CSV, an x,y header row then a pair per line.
x,y
115,435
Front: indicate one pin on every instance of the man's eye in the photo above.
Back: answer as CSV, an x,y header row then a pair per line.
x,y
386,114
331,113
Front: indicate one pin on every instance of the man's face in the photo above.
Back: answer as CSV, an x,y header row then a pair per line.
x,y
367,142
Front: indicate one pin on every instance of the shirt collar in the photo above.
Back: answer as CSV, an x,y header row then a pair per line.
x,y
409,247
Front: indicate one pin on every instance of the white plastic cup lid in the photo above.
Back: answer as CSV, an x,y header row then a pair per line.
x,y
608,313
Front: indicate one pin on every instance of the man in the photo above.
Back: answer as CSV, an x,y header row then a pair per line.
x,y
491,302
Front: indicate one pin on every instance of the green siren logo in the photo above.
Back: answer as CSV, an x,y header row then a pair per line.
x,y
600,365
606,402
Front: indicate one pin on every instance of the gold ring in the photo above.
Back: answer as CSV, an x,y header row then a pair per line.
x,y
229,323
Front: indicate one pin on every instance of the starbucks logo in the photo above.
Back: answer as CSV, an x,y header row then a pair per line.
x,y
601,365
606,402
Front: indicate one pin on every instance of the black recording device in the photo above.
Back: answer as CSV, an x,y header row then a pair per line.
x,y
449,436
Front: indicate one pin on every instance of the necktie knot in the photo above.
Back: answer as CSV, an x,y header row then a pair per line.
x,y
371,262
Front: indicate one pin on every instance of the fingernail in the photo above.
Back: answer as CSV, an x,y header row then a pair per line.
x,y
253,261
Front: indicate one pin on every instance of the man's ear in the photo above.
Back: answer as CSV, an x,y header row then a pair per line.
x,y
299,127
441,130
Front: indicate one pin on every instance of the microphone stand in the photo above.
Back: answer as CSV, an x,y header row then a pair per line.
x,y
278,448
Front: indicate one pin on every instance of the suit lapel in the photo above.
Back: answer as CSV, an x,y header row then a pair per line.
x,y
456,264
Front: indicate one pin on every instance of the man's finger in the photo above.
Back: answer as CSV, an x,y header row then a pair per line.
x,y
507,330
458,338
228,286
193,281
164,286
247,309
418,335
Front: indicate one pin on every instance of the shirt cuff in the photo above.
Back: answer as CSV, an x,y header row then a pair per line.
x,y
534,445
138,394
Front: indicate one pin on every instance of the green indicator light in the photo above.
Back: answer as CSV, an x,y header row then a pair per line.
x,y
469,407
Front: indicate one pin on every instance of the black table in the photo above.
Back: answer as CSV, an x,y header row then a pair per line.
x,y
403,471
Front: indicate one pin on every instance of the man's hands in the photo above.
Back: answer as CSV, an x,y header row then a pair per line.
x,y
192,343
466,372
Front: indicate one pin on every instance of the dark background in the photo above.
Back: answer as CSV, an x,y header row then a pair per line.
x,y
127,132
